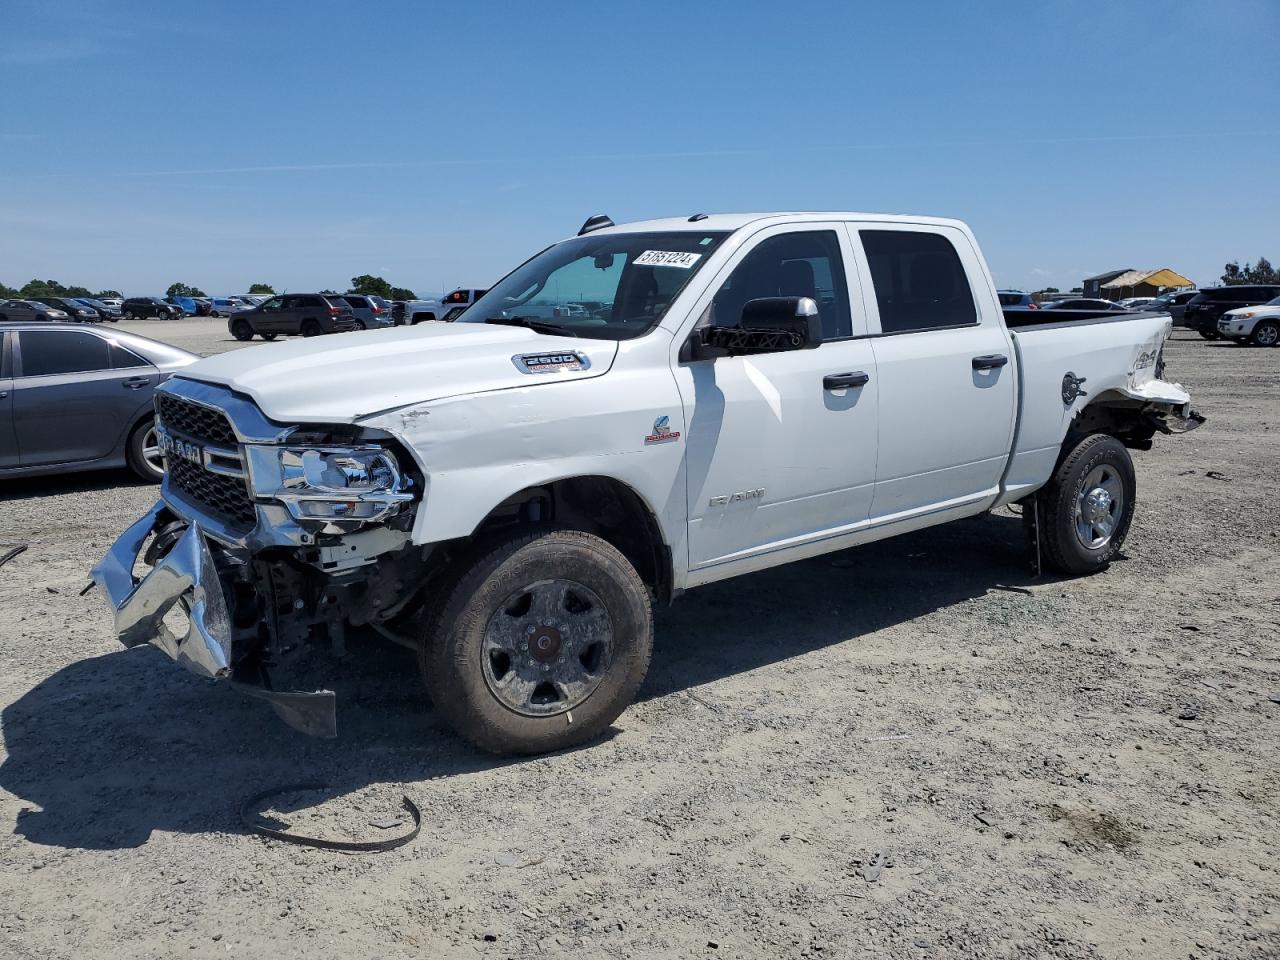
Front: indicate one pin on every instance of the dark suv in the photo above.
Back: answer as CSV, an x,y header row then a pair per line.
x,y
1204,309
309,314
140,308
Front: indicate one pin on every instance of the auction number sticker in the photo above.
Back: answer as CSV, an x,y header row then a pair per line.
x,y
667,258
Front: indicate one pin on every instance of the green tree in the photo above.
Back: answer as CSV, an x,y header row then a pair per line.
x,y
402,293
8,293
182,290
101,294
1260,272
263,288
328,293
50,288
370,286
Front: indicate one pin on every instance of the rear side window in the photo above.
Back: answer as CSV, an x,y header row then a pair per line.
x,y
358,302
122,358
919,280
1010,299
48,352
804,264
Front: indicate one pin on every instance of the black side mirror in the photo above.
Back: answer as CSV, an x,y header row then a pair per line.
x,y
794,320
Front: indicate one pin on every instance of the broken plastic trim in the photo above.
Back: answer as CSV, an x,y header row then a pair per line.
x,y
351,846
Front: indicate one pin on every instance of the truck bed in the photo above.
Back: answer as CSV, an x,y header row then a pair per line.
x,y
1113,354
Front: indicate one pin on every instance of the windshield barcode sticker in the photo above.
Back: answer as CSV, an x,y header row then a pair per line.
x,y
667,258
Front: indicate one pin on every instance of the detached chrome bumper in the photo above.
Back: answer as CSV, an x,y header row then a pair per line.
x,y
186,575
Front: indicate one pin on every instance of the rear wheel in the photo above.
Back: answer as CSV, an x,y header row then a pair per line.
x,y
1210,334
1086,507
360,325
128,315
1266,333
143,452
242,330
539,642
311,329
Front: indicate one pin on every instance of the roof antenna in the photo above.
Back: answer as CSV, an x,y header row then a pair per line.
x,y
697,216
598,222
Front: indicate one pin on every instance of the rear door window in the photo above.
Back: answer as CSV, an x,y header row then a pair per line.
x,y
919,280
47,353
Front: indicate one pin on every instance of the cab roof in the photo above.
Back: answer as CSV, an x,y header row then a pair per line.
x,y
736,221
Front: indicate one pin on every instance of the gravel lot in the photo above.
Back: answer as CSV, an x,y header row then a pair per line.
x,y
912,749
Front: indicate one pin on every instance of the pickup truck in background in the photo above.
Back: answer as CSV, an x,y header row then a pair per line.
x,y
446,308
510,494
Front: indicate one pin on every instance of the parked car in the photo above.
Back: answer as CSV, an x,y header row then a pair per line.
x,y
447,308
1173,303
1084,303
144,308
513,495
81,398
1136,303
1258,325
1017,298
186,304
370,312
30,310
226,306
116,302
1205,309
308,314
73,309
107,311
204,306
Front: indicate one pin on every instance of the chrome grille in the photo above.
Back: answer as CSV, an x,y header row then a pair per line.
x,y
195,421
227,498
217,483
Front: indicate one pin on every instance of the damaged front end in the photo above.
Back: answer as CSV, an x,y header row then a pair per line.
x,y
267,544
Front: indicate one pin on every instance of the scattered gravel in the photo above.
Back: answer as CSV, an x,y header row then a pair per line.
x,y
908,750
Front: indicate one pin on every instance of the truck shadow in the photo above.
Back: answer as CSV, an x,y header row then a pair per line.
x,y
111,748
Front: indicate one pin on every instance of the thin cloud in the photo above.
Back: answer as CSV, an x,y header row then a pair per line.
x,y
666,155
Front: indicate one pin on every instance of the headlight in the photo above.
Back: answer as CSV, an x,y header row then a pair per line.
x,y
341,483
1242,316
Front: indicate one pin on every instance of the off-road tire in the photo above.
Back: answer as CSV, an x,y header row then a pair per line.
x,y
1061,548
134,455
242,330
453,651
1268,337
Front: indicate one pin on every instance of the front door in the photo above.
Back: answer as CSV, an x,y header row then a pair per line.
x,y
8,439
68,403
272,318
947,391
781,447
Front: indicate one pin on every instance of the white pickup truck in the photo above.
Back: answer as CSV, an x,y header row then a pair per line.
x,y
509,495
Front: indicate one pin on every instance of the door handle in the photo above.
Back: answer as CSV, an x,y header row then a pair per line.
x,y
135,383
842,381
3,394
990,361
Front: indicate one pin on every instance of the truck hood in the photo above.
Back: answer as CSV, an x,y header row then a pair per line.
x,y
346,377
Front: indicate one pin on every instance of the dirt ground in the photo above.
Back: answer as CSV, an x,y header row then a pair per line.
x,y
912,749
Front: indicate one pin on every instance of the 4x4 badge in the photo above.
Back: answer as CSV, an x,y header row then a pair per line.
x,y
662,432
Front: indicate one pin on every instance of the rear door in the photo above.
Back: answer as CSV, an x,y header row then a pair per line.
x,y
943,358
69,402
8,439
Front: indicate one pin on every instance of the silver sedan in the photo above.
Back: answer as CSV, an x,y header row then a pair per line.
x,y
76,398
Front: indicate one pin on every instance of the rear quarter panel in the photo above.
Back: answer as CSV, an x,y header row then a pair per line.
x,y
1116,357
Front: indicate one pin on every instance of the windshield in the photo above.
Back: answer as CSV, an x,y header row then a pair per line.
x,y
607,287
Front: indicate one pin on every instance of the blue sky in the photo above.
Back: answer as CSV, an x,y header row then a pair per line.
x,y
439,144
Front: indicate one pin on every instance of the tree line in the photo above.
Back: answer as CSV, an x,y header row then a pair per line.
x,y
366,284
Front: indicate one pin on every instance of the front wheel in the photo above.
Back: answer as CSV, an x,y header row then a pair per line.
x,y
539,642
143,452
1086,507
1266,333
